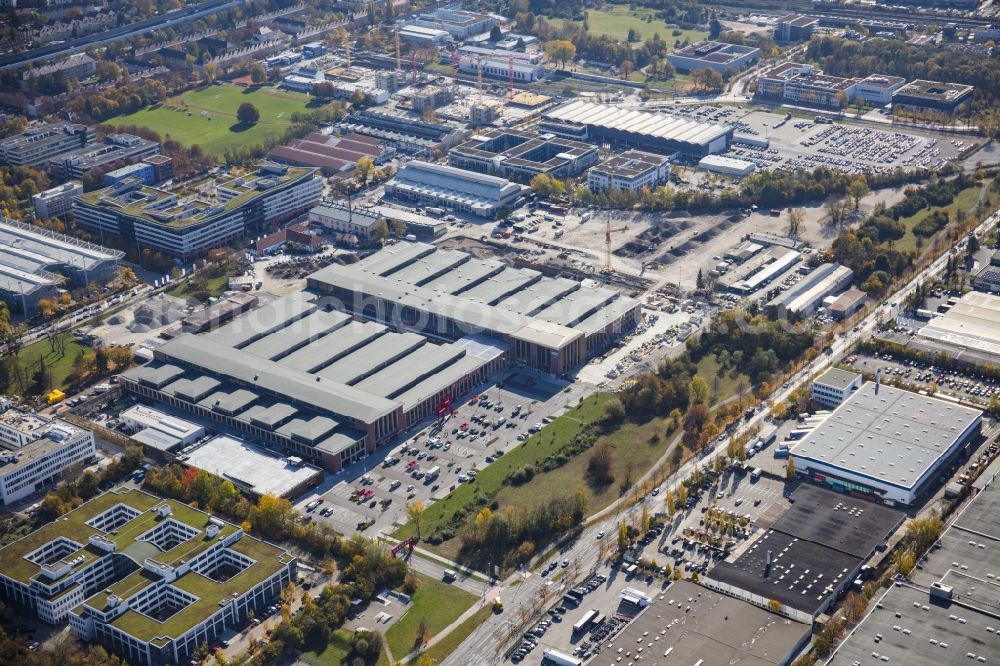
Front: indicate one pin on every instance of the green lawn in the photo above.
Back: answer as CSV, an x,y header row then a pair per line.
x,y
723,385
437,604
214,285
440,650
966,201
207,116
59,365
617,22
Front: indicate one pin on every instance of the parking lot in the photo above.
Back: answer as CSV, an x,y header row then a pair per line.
x,y
434,461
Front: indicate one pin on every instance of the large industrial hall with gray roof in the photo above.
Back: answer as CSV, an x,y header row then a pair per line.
x,y
329,379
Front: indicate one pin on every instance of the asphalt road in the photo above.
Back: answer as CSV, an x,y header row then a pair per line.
x,y
484,645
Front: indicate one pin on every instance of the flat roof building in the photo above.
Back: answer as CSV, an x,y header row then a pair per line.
x,y
690,624
332,154
970,328
113,150
647,130
405,134
834,386
181,224
520,156
56,201
50,449
632,170
719,56
458,23
159,430
804,84
457,189
802,299
345,219
38,144
253,469
795,28
886,443
419,34
920,95
729,166
877,89
151,579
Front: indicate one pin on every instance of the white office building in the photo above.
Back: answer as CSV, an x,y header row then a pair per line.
x,y
56,201
632,170
41,461
834,386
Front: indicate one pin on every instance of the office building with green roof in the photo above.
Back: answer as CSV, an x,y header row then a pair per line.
x,y
151,579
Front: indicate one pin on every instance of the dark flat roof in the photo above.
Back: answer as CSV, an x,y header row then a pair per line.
x,y
802,576
692,623
838,521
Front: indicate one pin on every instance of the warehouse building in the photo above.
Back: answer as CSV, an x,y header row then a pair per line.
x,y
729,166
802,299
704,627
969,331
36,145
418,34
834,386
459,23
453,188
113,150
42,452
56,201
404,134
345,219
846,304
183,226
149,578
159,430
332,154
646,130
632,170
920,95
809,556
795,28
771,264
552,325
34,262
253,469
719,56
886,444
520,156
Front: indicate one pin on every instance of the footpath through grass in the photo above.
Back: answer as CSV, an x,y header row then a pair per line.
x,y
443,648
436,604
207,116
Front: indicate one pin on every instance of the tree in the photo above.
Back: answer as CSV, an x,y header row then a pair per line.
x,y
795,219
561,50
125,276
988,123
671,503
496,34
323,90
247,114
790,470
645,520
698,390
364,169
380,231
546,186
415,511
397,227
707,79
258,74
714,27
47,307
623,540
599,467
857,189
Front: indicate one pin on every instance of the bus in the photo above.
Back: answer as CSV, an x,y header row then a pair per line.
x,y
584,622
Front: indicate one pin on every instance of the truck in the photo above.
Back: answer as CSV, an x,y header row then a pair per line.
x,y
584,622
432,473
559,658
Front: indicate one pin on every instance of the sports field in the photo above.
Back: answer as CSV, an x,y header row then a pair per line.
x,y
620,19
207,116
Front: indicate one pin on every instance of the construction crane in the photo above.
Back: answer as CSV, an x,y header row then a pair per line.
x,y
607,242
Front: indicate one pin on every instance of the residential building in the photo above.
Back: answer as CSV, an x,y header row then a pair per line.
x,y
184,225
77,66
38,463
149,578
834,386
114,150
453,188
632,170
920,95
56,201
38,144
719,56
795,28
298,233
521,155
